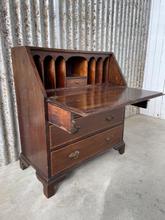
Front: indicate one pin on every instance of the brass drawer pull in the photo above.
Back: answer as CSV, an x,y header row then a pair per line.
x,y
74,155
109,118
108,139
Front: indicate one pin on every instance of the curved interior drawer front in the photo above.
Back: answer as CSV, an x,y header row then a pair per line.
x,y
86,126
73,154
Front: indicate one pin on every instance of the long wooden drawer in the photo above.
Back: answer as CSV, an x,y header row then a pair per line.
x,y
75,153
87,125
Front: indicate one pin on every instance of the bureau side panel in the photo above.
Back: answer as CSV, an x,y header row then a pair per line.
x,y
31,111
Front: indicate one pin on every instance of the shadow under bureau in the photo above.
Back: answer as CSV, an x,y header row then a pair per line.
x,y
71,107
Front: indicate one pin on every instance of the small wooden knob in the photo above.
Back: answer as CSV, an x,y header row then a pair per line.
x,y
107,139
109,118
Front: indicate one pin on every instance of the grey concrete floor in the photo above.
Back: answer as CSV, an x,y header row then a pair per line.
x,y
110,187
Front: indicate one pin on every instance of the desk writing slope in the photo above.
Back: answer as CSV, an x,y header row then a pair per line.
x,y
96,99
71,107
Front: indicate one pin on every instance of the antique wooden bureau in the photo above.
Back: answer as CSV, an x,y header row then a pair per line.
x,y
71,107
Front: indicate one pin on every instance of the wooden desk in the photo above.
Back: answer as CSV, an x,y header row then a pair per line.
x,y
71,107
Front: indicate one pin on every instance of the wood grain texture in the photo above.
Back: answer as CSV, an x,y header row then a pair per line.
x,y
99,98
31,112
63,120
60,118
76,81
91,71
39,66
105,70
99,71
49,73
82,150
77,66
115,75
87,126
60,72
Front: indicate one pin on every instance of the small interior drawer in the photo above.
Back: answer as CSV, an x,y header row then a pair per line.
x,y
75,153
76,81
86,126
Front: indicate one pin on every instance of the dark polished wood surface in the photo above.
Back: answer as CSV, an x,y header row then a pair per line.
x,y
31,111
81,150
71,107
96,123
88,100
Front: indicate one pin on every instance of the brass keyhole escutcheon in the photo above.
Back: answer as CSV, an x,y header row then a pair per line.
x,y
74,155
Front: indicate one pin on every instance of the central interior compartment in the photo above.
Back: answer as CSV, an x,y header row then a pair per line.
x,y
76,66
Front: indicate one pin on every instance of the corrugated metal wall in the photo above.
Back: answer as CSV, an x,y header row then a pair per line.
x,y
109,25
154,74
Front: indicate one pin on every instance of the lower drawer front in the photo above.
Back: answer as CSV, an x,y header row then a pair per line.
x,y
75,153
88,125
